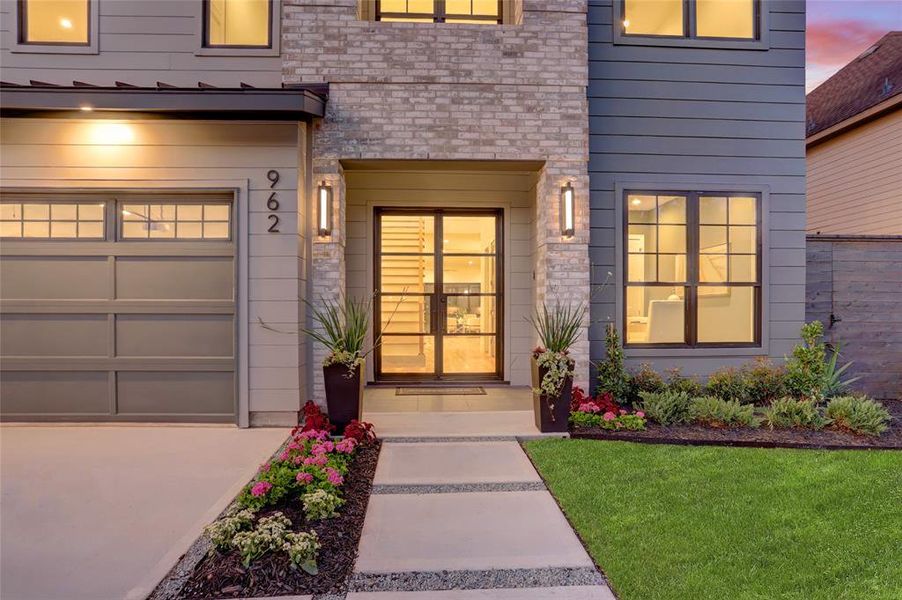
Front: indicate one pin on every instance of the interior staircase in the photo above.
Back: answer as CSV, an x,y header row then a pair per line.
x,y
407,274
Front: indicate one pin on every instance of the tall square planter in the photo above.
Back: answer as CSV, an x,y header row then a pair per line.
x,y
550,419
344,394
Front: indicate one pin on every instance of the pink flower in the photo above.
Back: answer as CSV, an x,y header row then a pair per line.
x,y
323,447
265,467
319,460
313,434
640,414
334,476
298,460
303,477
609,416
589,407
622,412
346,446
285,455
260,488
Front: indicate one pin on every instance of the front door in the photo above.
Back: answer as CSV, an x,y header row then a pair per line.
x,y
439,294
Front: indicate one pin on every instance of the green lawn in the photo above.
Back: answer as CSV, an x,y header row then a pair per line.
x,y
669,522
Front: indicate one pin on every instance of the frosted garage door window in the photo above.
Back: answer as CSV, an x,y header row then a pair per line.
x,y
207,221
52,220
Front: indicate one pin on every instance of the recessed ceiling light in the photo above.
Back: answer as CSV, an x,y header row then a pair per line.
x,y
636,202
65,23
86,107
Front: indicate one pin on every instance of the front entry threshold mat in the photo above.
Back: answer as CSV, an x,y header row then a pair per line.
x,y
440,391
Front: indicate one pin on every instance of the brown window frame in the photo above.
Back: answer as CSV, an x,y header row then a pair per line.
x,y
440,15
22,35
692,283
205,37
690,25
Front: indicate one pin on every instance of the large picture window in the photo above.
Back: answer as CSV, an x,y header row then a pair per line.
x,y
693,269
693,19
480,12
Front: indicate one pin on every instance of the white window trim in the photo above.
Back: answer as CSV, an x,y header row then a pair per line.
x,y
93,47
762,43
275,32
664,185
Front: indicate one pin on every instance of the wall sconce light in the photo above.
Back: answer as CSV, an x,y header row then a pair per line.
x,y
567,219
324,209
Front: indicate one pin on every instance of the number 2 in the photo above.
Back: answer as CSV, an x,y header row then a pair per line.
x,y
274,226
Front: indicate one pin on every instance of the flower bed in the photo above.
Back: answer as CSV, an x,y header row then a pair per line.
x,y
806,402
294,529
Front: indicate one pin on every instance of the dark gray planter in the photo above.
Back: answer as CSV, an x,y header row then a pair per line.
x,y
344,394
551,414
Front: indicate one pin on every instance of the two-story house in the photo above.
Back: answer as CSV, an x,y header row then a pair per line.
x,y
178,176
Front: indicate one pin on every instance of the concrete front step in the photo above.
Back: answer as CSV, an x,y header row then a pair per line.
x,y
463,462
453,424
459,531
574,592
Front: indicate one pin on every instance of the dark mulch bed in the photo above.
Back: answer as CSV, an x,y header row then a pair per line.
x,y
223,576
761,437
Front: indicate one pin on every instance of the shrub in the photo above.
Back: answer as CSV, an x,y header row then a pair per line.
x,y
791,412
765,381
645,379
723,413
859,414
360,431
268,535
834,384
223,531
728,383
585,419
677,382
619,420
612,377
315,419
302,549
806,368
320,504
602,403
666,408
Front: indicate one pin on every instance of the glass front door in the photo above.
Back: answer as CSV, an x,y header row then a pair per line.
x,y
439,294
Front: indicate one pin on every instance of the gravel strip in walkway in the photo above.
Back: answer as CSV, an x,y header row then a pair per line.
x,y
450,488
475,579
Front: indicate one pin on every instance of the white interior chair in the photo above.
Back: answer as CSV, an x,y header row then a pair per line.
x,y
665,321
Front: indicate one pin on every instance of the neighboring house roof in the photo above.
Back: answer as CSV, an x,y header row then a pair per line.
x,y
246,102
871,79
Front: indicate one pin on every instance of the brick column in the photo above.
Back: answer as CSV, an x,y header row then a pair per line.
x,y
328,264
562,264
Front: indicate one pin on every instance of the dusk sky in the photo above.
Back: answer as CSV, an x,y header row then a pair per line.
x,y
840,30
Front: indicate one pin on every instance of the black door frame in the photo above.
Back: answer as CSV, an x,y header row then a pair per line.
x,y
437,317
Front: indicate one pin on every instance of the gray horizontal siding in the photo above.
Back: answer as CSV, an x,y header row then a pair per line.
x,y
703,117
140,42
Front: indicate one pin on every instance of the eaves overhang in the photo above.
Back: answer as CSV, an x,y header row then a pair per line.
x,y
298,103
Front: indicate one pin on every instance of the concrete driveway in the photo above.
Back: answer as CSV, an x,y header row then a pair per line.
x,y
103,512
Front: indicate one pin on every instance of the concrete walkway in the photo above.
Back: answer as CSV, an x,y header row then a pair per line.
x,y
104,512
467,519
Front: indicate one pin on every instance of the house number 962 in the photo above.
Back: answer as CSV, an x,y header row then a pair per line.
x,y
271,203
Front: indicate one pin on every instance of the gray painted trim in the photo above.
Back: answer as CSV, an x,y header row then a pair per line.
x,y
272,104
653,183
93,35
762,43
275,32
239,189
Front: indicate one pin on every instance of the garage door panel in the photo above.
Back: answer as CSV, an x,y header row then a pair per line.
x,y
60,392
49,277
175,278
175,393
54,335
174,335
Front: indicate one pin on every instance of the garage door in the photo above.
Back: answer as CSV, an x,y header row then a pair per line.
x,y
117,307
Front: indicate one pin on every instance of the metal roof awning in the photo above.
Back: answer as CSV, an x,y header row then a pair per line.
x,y
293,103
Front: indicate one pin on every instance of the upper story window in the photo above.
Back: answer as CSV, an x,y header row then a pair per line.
x,y
55,22
691,19
238,23
480,12
693,269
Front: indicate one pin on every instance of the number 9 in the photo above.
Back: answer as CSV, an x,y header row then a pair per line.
x,y
273,176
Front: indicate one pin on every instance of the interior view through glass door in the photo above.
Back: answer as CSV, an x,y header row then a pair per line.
x,y
438,279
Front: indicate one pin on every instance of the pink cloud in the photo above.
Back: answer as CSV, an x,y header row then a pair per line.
x,y
832,44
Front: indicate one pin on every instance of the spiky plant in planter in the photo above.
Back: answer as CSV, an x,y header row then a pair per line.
x,y
552,368
342,326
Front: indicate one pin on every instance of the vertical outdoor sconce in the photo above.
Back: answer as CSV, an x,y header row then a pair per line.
x,y
567,226
324,209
